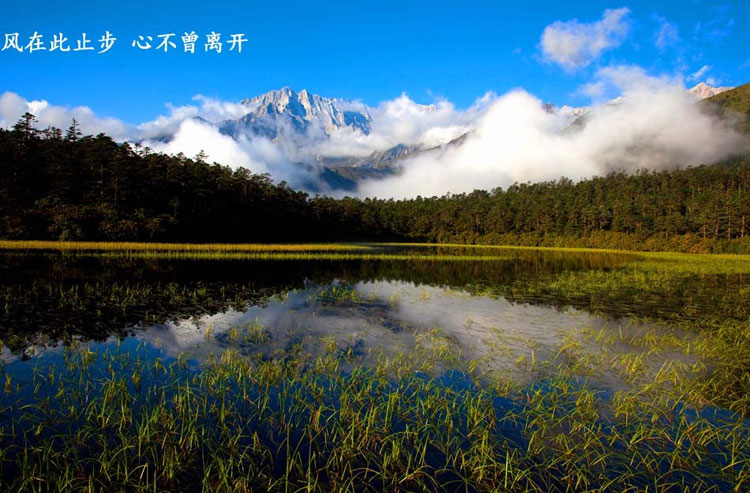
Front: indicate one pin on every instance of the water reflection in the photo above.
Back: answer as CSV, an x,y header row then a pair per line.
x,y
55,297
52,299
372,319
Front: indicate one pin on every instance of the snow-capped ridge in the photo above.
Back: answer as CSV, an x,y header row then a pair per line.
x,y
306,110
704,91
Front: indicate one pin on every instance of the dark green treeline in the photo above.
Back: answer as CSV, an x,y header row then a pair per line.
x,y
62,185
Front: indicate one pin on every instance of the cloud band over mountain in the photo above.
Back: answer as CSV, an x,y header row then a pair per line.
x,y
429,149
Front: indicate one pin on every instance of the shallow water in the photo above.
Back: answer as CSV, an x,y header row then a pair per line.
x,y
558,359
493,312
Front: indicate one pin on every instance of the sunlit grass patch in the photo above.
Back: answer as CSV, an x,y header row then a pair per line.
x,y
177,247
228,251
301,255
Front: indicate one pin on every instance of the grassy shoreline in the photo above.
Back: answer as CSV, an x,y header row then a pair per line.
x,y
341,251
322,247
179,247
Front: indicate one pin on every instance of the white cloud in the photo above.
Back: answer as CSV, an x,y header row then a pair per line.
x,y
256,154
655,124
632,80
713,81
667,35
573,44
210,110
698,74
402,121
193,136
12,106
593,90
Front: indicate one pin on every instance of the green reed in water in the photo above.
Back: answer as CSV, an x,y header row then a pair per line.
x,y
424,420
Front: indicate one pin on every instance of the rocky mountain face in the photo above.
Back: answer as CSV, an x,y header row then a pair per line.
x,y
285,111
345,172
305,119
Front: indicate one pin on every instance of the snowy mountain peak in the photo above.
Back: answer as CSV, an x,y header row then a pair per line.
x,y
704,91
306,111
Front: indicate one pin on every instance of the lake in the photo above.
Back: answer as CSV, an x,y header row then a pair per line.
x,y
382,367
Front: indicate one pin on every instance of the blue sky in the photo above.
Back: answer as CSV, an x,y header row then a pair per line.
x,y
367,50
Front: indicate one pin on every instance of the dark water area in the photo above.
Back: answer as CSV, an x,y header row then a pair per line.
x,y
52,297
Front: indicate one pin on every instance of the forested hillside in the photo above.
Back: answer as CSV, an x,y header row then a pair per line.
x,y
62,185
734,104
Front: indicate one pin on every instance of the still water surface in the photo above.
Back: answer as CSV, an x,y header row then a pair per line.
x,y
499,313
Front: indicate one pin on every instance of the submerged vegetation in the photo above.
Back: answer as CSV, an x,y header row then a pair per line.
x,y
644,385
